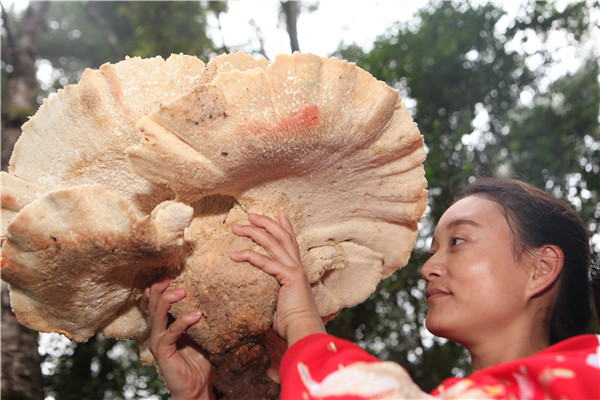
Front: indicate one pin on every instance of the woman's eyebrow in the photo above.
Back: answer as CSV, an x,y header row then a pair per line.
x,y
463,221
455,223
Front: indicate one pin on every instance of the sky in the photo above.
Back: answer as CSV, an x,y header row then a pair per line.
x,y
319,31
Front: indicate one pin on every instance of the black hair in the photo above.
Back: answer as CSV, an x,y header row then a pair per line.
x,y
537,218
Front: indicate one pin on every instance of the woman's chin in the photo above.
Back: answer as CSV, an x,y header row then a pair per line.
x,y
437,327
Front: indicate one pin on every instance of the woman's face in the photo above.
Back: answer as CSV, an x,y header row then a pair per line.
x,y
475,286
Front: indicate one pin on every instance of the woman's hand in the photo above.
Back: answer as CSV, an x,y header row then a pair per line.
x,y
185,369
297,315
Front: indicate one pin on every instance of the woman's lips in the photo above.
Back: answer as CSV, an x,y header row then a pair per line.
x,y
435,293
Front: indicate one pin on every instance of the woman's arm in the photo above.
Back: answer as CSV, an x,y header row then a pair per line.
x,y
297,315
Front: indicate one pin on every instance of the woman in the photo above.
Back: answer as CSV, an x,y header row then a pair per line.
x,y
507,277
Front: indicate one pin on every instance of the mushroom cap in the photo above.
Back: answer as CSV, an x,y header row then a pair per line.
x,y
319,138
79,135
70,248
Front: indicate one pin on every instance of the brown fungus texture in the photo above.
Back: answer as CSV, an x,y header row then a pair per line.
x,y
142,168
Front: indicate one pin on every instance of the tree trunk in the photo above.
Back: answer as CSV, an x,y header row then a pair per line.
x,y
22,85
21,375
290,10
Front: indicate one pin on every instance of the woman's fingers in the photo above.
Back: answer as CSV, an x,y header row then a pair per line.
x,y
282,231
278,240
285,274
267,242
156,289
157,305
164,336
160,313
176,329
285,223
183,365
261,261
297,314
144,300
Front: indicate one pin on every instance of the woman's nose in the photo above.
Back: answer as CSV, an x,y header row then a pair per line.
x,y
432,269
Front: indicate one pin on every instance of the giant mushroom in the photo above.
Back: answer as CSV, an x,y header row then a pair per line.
x,y
142,168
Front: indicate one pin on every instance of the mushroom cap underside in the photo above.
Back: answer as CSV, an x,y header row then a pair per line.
x,y
318,138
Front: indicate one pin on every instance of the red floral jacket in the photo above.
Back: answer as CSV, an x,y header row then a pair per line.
x,y
321,366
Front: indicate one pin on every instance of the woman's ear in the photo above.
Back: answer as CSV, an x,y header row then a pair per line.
x,y
548,264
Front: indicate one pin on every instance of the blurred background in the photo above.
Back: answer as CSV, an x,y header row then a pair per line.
x,y
497,89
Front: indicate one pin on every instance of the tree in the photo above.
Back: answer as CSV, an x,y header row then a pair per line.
x,y
558,138
20,45
21,374
290,10
454,66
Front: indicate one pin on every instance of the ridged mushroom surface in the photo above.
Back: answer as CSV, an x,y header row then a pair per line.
x,y
142,168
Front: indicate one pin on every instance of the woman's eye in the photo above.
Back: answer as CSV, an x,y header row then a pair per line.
x,y
456,241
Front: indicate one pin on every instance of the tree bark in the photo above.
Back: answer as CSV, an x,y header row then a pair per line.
x,y
290,10
21,376
22,85
21,373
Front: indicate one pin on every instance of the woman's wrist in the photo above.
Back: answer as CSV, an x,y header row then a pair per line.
x,y
303,327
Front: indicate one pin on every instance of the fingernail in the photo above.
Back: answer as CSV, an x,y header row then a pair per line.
x,y
196,313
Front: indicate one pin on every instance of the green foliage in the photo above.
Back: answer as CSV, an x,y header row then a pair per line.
x,y
15,395
88,34
163,28
556,141
101,369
